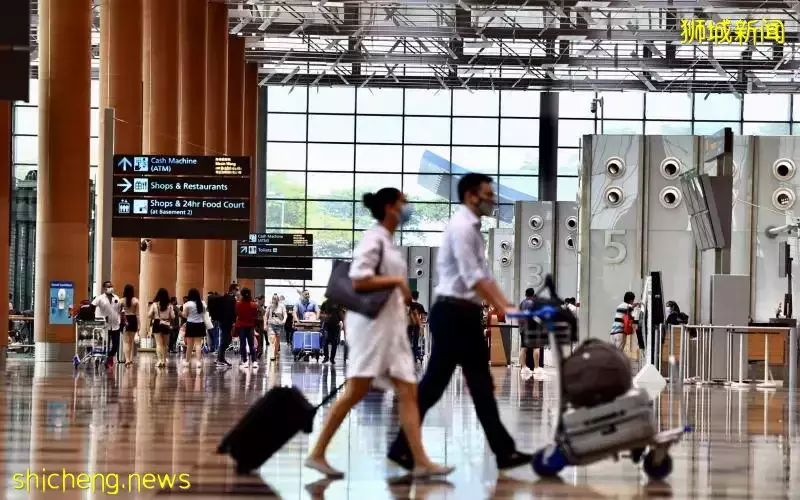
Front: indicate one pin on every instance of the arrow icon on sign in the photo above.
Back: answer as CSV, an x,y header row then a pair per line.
x,y
125,185
243,250
125,164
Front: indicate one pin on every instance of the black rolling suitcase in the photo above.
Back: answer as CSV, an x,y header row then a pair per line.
x,y
287,408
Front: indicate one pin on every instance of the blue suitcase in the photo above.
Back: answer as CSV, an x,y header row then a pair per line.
x,y
306,345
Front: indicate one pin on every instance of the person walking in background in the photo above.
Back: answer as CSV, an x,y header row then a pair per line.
x,y
227,317
194,311
306,305
246,313
259,330
130,311
275,319
379,347
456,325
108,308
162,320
624,323
176,324
416,316
331,314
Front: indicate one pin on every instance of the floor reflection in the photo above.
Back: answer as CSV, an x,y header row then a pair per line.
x,y
143,420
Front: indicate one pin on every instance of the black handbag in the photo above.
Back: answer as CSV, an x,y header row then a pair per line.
x,y
340,290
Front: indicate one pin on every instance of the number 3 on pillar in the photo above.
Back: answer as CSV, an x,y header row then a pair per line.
x,y
615,251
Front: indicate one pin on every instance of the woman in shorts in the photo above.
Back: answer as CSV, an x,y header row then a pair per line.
x,y
162,317
194,312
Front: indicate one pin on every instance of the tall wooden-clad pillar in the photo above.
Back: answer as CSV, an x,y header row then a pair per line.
x,y
5,230
249,142
216,126
235,139
120,90
62,214
193,16
161,125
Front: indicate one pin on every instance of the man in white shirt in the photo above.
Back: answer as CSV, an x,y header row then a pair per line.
x,y
108,307
455,323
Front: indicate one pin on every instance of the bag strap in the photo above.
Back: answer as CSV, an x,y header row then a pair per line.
x,y
380,259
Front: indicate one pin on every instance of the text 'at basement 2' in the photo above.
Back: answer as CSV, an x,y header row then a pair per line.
x,y
187,197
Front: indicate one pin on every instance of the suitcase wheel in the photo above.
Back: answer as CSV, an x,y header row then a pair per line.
x,y
548,462
657,472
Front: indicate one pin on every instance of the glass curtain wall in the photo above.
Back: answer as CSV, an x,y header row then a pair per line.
x,y
25,158
326,147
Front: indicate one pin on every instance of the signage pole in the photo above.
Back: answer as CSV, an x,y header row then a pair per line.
x,y
104,205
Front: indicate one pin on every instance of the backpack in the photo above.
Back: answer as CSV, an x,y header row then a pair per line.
x,y
628,326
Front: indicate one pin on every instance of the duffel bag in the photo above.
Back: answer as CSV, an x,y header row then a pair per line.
x,y
596,373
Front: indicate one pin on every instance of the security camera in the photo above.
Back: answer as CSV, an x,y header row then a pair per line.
x,y
505,246
536,222
419,273
570,243
144,245
593,106
419,261
505,260
535,241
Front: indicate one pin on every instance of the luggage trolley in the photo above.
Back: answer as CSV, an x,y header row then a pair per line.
x,y
587,435
91,342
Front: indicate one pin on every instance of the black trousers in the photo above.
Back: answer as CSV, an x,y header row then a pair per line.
x,y
113,337
225,337
458,340
413,339
332,339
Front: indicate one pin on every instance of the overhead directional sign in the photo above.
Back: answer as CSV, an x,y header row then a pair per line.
x,y
187,197
275,256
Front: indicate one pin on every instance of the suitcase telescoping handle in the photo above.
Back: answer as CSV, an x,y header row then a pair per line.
x,y
330,396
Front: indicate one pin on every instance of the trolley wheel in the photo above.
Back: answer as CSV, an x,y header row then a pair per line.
x,y
548,466
658,471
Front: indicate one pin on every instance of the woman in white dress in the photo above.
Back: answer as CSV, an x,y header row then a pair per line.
x,y
379,348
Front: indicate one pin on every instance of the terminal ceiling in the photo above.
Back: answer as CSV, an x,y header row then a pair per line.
x,y
510,44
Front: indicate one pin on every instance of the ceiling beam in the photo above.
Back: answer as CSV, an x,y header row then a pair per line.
x,y
482,60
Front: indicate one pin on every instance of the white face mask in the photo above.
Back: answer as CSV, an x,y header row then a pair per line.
x,y
110,291
669,311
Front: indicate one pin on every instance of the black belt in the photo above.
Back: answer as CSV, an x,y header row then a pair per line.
x,y
458,302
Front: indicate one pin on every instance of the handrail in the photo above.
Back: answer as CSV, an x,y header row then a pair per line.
x,y
759,329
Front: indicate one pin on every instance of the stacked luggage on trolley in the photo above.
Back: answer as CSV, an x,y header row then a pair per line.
x,y
600,414
307,340
92,342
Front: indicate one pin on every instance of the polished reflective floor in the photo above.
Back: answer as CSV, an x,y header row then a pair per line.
x,y
144,420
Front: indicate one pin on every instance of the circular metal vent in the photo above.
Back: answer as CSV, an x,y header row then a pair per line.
x,y
671,168
783,199
670,197
783,169
571,223
615,167
614,196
